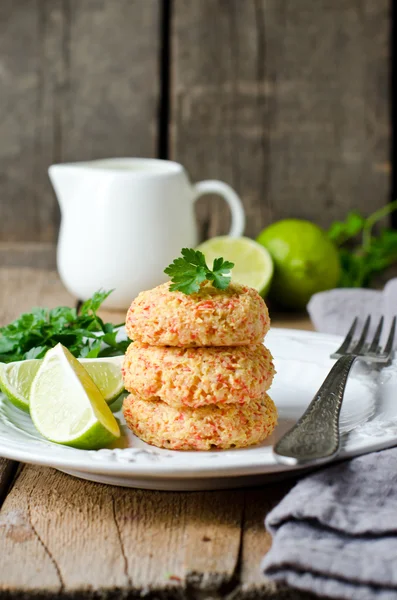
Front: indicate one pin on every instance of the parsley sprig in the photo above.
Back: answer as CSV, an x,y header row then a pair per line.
x,y
190,271
363,253
84,333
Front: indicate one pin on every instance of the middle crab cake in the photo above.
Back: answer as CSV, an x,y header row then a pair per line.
x,y
196,377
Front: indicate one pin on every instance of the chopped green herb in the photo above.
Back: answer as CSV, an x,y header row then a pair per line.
x,y
373,254
84,334
190,271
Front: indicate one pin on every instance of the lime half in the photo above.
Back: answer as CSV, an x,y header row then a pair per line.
x,y
16,378
67,407
253,264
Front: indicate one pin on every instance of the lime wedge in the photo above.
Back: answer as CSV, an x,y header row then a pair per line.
x,y
106,373
16,378
253,264
67,407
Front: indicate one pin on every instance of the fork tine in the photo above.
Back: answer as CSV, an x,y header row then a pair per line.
x,y
389,344
347,341
375,342
360,344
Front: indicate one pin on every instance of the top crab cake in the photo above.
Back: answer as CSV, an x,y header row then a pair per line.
x,y
236,316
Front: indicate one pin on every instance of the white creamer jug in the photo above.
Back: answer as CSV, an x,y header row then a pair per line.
x,y
123,220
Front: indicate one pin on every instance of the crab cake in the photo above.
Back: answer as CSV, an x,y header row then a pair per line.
x,y
235,316
196,377
205,428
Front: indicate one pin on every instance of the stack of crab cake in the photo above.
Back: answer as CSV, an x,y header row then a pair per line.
x,y
197,370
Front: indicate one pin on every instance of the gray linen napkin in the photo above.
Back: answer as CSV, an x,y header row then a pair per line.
x,y
333,311
335,533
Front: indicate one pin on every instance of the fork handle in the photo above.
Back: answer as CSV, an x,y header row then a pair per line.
x,y
315,437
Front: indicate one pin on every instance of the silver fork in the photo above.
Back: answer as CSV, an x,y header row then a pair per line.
x,y
315,437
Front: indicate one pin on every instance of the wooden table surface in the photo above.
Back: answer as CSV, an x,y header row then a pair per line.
x,y
61,535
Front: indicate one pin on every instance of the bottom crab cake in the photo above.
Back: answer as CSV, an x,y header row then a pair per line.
x,y
204,428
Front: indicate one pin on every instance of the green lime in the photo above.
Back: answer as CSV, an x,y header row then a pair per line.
x,y
253,264
16,378
305,261
67,407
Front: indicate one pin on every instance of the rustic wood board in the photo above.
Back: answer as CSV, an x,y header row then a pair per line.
x,y
21,289
34,255
255,541
80,80
286,101
74,536
8,469
286,320
101,537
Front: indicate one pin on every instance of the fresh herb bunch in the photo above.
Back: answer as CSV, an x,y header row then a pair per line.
x,y
373,254
189,272
83,333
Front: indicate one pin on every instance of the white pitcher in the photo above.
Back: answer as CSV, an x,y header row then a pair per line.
x,y
123,220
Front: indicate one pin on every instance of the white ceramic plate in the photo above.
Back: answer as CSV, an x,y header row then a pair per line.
x,y
368,422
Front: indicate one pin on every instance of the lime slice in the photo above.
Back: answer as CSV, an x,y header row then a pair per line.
x,y
16,378
67,407
253,264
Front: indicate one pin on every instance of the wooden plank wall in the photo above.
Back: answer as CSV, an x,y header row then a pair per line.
x,y
79,80
287,101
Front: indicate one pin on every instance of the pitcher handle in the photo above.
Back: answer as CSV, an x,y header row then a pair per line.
x,y
213,186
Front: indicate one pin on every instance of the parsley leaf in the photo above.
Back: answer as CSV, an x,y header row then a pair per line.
x,y
221,273
342,231
84,334
361,260
90,307
190,271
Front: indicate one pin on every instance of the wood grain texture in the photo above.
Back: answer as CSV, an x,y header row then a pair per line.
x,y
177,540
8,469
75,536
79,538
29,32
79,80
21,289
213,536
113,79
287,320
286,101
35,255
256,542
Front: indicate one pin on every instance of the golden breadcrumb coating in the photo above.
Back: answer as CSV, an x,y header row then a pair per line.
x,y
205,428
235,316
198,376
